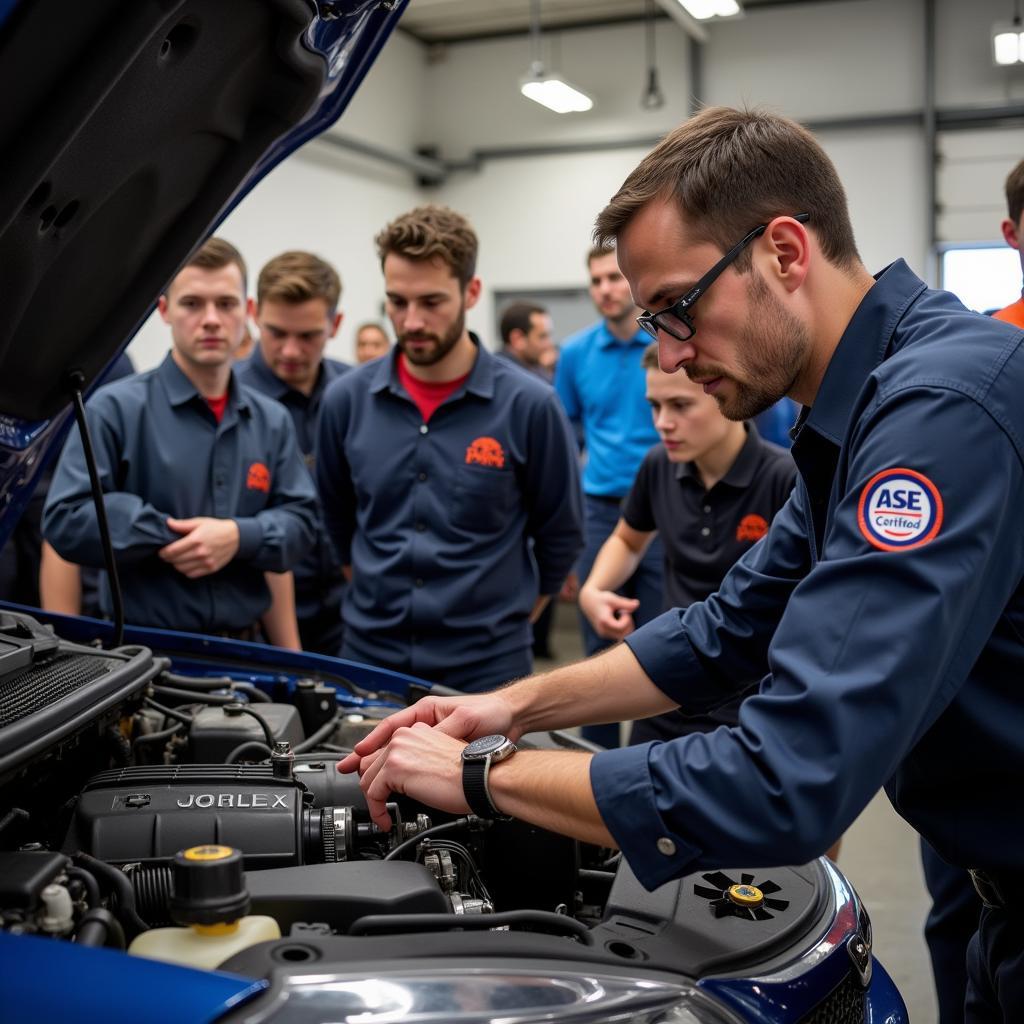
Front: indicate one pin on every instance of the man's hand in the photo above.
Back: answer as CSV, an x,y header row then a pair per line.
x,y
207,545
420,762
609,614
570,588
464,718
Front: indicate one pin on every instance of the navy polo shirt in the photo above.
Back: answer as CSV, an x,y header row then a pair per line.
x,y
703,532
452,527
160,452
603,387
884,611
318,579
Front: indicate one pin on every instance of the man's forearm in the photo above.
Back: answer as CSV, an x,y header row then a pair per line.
x,y
551,789
610,687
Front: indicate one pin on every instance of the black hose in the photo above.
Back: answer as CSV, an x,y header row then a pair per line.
x,y
214,683
267,733
241,751
194,696
13,815
122,889
99,927
178,716
322,733
89,883
156,737
541,920
446,826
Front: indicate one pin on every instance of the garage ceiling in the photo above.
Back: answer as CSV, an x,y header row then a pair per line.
x,y
445,21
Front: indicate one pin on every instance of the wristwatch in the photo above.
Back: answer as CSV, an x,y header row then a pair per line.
x,y
477,758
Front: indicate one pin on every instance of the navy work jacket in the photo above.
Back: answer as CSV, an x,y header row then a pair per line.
x,y
452,527
161,453
318,579
885,606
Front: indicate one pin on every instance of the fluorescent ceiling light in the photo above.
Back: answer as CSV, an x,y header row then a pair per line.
x,y
704,9
1007,46
555,93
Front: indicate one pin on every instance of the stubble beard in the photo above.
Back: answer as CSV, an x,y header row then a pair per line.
x,y
772,350
443,343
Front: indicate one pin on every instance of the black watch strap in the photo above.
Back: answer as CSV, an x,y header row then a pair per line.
x,y
474,788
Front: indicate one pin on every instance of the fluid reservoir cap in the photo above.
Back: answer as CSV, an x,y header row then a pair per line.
x,y
209,886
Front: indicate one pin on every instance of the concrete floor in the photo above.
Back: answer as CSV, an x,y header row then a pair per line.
x,y
879,856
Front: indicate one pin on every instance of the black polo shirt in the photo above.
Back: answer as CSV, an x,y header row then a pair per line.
x,y
703,533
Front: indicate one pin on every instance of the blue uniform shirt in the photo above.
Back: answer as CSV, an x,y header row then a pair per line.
x,y
604,389
885,606
452,527
318,579
161,453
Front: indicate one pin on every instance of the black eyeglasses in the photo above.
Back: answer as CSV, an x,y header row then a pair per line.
x,y
676,319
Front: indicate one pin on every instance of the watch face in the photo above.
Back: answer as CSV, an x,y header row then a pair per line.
x,y
484,746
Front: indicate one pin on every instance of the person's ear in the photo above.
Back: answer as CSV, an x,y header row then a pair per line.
x,y
471,295
161,305
785,252
1011,232
335,324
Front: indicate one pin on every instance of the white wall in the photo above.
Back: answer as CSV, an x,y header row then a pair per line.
x,y
841,59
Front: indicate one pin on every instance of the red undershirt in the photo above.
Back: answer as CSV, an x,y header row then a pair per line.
x,y
427,394
217,406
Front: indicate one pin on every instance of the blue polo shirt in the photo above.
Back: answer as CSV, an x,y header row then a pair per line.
x,y
318,579
603,388
161,453
452,527
884,610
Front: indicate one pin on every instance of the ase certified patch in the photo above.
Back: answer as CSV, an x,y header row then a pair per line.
x,y
899,509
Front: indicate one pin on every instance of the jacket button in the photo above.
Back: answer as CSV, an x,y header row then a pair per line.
x,y
424,428
422,477
420,527
419,582
666,846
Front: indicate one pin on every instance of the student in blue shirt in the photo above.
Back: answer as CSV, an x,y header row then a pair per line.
x,y
448,477
884,609
297,314
207,497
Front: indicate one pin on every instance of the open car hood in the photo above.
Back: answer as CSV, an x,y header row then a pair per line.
x,y
130,131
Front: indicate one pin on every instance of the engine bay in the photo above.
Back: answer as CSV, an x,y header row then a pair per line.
x,y
114,766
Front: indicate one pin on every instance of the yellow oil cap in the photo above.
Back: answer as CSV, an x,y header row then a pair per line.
x,y
211,852
745,895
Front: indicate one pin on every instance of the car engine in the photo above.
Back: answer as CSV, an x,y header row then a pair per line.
x,y
111,764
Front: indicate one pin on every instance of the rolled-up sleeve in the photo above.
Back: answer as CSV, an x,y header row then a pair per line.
x,y
873,644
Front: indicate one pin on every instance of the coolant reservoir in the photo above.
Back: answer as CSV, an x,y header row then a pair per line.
x,y
204,945
210,900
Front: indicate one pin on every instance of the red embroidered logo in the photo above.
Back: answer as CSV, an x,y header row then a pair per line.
x,y
752,528
258,478
485,451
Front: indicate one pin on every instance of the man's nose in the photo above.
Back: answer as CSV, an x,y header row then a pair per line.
x,y
673,353
290,347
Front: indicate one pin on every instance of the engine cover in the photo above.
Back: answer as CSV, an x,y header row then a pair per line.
x,y
149,814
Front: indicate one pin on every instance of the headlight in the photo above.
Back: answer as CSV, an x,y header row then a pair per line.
x,y
485,996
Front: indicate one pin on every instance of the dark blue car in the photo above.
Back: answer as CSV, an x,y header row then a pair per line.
x,y
169,800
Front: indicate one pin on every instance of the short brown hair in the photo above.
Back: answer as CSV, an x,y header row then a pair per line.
x,y
214,254
597,251
649,360
731,170
295,277
430,232
1015,192
516,317
372,325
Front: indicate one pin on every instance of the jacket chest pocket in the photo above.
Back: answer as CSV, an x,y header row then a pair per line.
x,y
483,500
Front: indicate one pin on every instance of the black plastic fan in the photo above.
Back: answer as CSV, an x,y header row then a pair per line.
x,y
745,899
